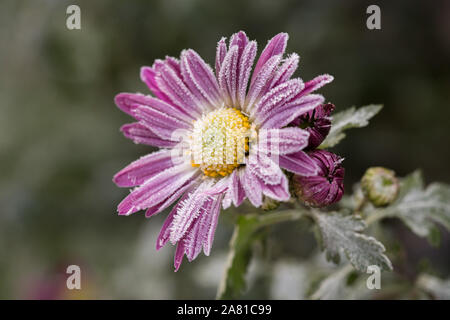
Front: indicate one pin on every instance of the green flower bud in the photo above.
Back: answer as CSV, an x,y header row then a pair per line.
x,y
380,186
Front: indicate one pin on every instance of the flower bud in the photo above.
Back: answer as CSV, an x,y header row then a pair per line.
x,y
327,186
317,122
380,186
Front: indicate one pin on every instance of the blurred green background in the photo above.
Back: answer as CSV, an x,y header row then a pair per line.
x,y
60,143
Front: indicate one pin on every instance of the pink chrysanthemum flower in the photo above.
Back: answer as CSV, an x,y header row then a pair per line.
x,y
213,116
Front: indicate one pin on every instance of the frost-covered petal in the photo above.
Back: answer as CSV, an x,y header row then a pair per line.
x,y
279,192
179,254
245,68
235,193
170,199
158,122
286,70
240,40
221,52
275,46
148,76
316,83
264,168
252,187
238,192
276,98
199,76
228,76
201,234
139,171
170,82
164,234
188,211
299,163
155,189
142,135
261,84
282,141
282,116
219,187
211,226
128,101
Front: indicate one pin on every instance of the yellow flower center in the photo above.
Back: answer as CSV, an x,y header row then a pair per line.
x,y
220,140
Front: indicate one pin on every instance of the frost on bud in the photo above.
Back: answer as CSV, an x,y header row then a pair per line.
x,y
317,122
270,204
380,186
327,186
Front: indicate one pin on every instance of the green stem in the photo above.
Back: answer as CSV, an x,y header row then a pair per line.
x,y
233,282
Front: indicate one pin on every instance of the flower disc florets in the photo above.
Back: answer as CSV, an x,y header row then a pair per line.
x,y
220,140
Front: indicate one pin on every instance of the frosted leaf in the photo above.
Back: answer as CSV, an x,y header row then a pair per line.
x,y
422,208
347,119
341,234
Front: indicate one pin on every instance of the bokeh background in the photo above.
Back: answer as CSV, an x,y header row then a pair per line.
x,y
60,142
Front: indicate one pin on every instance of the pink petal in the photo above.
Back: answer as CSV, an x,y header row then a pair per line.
x,y
170,82
174,63
316,83
199,77
211,227
127,101
238,189
299,163
245,67
158,122
139,171
220,187
163,205
252,187
141,134
228,76
179,254
276,98
188,211
148,77
155,190
235,193
202,232
282,116
221,52
261,82
279,192
275,46
264,168
282,141
286,70
239,39
226,202
164,234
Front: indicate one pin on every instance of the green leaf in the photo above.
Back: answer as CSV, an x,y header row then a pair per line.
x,y
422,209
347,119
239,257
341,233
